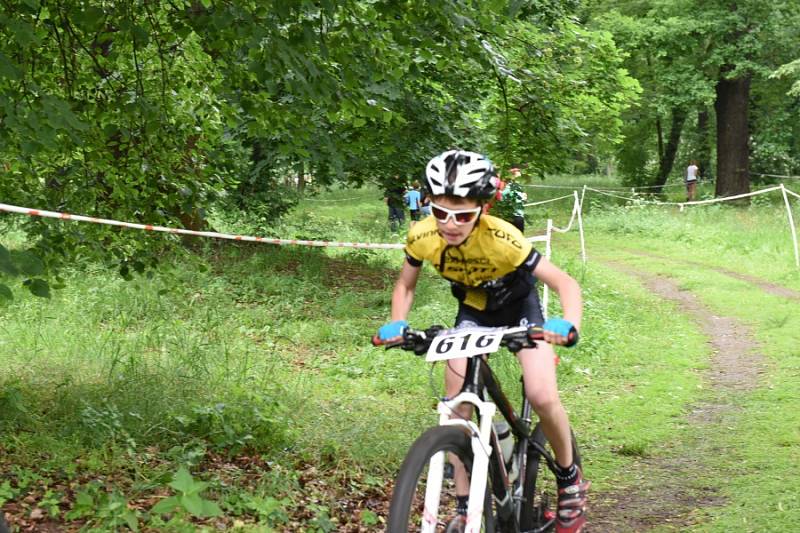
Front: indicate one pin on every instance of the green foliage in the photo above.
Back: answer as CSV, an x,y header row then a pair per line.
x,y
321,523
50,502
791,69
267,509
153,113
102,510
231,428
678,51
118,117
26,264
7,492
106,424
259,207
187,499
369,518
561,93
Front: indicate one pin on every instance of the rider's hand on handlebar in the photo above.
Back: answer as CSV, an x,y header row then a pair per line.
x,y
392,330
560,331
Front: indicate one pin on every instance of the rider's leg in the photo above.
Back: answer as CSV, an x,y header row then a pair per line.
x,y
539,372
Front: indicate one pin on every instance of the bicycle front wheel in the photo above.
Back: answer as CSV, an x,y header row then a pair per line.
x,y
408,511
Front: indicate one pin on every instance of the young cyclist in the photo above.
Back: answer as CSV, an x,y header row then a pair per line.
x,y
493,270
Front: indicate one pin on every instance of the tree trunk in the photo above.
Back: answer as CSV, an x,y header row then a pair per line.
x,y
704,147
667,157
300,168
733,152
660,135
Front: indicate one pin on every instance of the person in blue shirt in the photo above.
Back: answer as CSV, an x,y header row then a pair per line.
x,y
413,200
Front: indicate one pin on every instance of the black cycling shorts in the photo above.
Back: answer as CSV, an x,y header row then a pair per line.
x,y
522,312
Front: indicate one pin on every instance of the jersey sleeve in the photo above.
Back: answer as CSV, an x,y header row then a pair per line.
x,y
414,252
413,261
531,260
418,242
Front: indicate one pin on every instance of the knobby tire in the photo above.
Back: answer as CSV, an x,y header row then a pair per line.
x,y
441,438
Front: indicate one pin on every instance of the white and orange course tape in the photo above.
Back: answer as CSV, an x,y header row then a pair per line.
x,y
213,234
180,231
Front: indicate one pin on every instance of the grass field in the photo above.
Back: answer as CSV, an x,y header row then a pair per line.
x,y
250,366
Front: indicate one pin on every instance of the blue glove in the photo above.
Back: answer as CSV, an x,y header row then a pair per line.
x,y
392,330
559,326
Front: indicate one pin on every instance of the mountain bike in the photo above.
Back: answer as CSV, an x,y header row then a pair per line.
x,y
506,494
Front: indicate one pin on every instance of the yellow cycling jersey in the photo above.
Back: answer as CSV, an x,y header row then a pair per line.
x,y
490,268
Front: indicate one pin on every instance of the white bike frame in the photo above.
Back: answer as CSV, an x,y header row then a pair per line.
x,y
481,450
452,344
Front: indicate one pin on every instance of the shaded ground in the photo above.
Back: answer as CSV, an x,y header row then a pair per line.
x,y
667,495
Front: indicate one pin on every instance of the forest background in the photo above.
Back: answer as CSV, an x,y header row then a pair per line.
x,y
157,112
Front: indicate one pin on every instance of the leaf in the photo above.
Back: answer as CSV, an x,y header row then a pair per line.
x,y
6,264
193,503
8,69
141,35
24,33
91,19
60,114
30,264
5,293
513,7
369,518
167,505
38,287
211,508
183,482
84,506
131,521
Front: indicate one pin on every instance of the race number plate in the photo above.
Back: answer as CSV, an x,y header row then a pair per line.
x,y
466,342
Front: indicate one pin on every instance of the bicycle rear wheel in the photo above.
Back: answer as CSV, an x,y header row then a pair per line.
x,y
539,492
407,511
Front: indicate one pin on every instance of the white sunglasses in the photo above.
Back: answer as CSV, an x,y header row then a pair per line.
x,y
459,216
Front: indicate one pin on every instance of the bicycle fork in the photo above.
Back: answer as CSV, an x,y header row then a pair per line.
x,y
481,450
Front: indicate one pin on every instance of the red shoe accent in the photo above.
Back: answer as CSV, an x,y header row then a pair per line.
x,y
457,525
571,516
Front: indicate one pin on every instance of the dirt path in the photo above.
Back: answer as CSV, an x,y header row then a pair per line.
x,y
667,494
766,286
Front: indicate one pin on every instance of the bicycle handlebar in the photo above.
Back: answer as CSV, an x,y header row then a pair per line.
x,y
515,339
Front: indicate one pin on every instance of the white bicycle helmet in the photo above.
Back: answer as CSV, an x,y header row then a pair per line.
x,y
462,174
